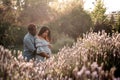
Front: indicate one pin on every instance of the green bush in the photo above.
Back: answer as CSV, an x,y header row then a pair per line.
x,y
62,41
74,24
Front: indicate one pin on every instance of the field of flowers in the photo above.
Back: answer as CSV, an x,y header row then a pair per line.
x,y
96,56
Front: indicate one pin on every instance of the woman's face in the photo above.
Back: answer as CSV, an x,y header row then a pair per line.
x,y
45,34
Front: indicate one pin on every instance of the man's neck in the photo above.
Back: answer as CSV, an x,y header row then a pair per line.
x,y
31,34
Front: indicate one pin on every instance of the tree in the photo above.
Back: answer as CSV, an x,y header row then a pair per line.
x,y
118,22
98,13
36,11
44,11
8,19
99,18
65,6
73,24
112,20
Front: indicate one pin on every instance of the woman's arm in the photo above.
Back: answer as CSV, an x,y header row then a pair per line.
x,y
43,54
50,46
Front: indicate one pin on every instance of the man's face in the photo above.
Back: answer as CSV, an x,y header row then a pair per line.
x,y
33,32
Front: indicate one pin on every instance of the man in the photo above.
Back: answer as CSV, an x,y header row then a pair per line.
x,y
29,43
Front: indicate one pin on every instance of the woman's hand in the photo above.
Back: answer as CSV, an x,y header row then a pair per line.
x,y
44,55
50,45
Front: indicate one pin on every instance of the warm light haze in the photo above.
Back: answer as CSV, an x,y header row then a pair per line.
x,y
111,5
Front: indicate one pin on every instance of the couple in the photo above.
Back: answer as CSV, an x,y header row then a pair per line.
x,y
37,46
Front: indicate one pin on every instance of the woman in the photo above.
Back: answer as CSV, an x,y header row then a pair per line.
x,y
43,44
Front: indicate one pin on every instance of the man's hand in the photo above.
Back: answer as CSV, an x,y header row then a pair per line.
x,y
34,53
50,45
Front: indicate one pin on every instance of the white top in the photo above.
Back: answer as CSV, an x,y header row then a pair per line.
x,y
42,46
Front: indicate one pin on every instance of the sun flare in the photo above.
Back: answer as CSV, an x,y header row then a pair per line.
x,y
64,5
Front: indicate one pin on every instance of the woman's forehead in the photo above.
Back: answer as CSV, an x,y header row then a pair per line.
x,y
47,31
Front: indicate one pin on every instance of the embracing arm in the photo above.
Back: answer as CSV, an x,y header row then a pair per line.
x,y
43,54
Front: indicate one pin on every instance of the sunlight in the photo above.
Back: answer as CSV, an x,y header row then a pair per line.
x,y
60,1
1,2
63,6
65,1
111,5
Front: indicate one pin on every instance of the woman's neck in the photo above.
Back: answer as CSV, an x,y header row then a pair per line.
x,y
41,37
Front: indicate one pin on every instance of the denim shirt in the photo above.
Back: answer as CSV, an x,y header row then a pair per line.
x,y
29,46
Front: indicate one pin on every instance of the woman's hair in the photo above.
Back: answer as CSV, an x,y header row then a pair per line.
x,y
42,30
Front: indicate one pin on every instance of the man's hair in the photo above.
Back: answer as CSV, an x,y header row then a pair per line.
x,y
31,27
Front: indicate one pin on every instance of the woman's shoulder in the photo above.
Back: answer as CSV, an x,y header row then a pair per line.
x,y
38,39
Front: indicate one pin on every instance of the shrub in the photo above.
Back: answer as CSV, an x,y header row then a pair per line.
x,y
64,40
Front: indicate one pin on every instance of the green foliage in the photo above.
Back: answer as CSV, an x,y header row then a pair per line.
x,y
115,22
9,28
63,40
99,18
35,12
3,34
118,23
98,14
112,20
73,24
20,31
103,26
11,35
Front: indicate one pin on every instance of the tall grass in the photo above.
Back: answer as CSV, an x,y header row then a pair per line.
x,y
95,57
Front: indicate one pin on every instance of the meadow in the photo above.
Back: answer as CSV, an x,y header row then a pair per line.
x,y
96,56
